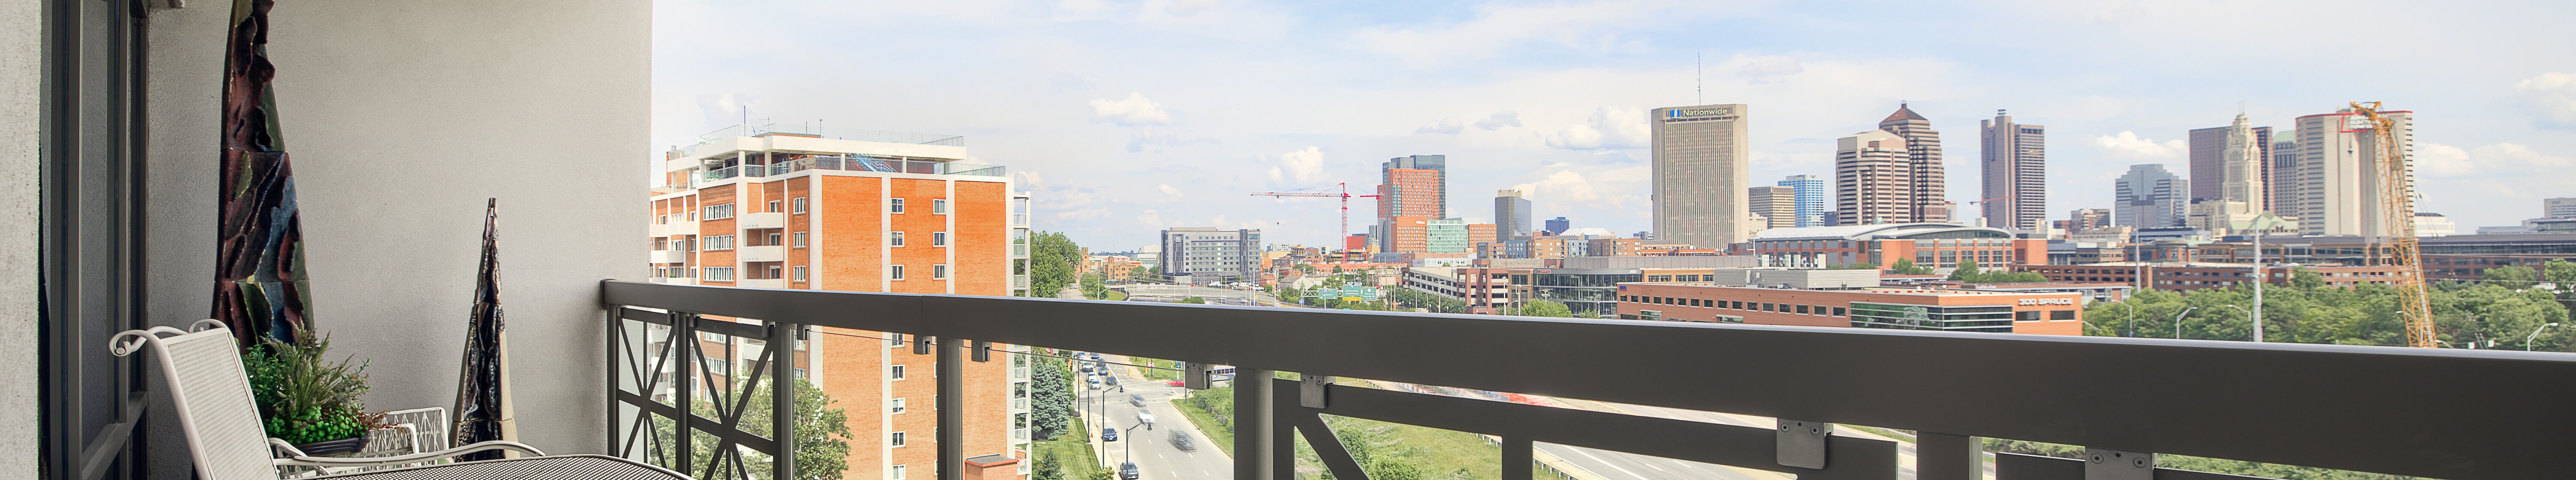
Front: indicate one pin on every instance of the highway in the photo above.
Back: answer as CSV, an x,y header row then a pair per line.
x,y
1155,456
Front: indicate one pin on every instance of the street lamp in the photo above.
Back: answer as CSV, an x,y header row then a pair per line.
x,y
2258,321
2535,333
2177,321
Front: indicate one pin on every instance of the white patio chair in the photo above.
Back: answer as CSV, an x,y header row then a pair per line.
x,y
211,393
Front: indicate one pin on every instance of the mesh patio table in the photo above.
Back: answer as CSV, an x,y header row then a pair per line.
x,y
559,467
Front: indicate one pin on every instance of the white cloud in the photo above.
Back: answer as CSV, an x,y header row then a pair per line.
x,y
1303,165
1184,8
1029,180
2128,145
1150,218
1498,120
1608,128
1586,26
2438,160
1446,126
723,109
1083,214
1562,186
1766,69
1169,191
1134,110
2553,97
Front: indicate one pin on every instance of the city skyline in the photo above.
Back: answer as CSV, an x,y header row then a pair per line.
x,y
1121,155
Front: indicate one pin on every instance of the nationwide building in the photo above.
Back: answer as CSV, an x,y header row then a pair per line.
x,y
2149,197
1930,189
1814,198
799,207
2014,164
1986,311
1209,254
2336,182
1776,205
1938,245
1874,180
1512,215
1700,169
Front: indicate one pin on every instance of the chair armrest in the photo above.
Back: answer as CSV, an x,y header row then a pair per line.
x,y
298,458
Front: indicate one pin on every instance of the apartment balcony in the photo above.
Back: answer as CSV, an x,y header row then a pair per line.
x,y
675,228
763,253
1019,281
667,256
751,221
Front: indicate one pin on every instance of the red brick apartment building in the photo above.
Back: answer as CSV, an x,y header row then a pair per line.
x,y
2048,313
795,207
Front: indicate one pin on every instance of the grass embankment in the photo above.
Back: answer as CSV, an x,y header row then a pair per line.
x,y
1382,448
1071,452
1158,369
1117,295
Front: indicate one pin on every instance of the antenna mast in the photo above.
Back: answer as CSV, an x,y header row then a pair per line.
x,y
1699,80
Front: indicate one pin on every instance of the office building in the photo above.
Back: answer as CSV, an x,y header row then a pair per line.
x,y
1512,215
1445,237
2234,162
1701,161
1559,225
2086,219
1931,244
1929,192
2205,275
2338,191
2014,164
1209,254
2429,224
2047,313
2149,197
1814,199
1777,206
1873,179
2558,208
800,207
1414,186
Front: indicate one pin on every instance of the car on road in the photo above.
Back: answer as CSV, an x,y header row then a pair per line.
x,y
1137,400
1095,383
1127,471
1181,440
1109,434
1176,383
1112,380
1146,418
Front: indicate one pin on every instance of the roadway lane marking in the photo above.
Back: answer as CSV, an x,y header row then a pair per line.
x,y
1606,463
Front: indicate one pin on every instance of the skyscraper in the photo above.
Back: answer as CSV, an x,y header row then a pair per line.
x,y
1873,177
1512,215
1208,253
1812,192
2083,219
2339,180
1559,225
2209,160
1778,206
1701,161
2558,208
1410,186
2015,170
2150,197
1929,195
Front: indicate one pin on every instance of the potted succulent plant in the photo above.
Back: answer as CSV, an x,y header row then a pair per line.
x,y
308,400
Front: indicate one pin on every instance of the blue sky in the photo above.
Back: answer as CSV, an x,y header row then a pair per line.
x,y
1127,117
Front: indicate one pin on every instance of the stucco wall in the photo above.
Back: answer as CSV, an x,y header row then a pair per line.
x,y
401,118
21,40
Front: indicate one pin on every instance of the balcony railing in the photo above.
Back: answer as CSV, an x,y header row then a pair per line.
x,y
854,164
2453,414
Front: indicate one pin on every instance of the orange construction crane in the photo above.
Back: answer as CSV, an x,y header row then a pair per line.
x,y
1345,195
2397,217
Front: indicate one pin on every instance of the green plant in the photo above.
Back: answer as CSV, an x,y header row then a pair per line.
x,y
304,397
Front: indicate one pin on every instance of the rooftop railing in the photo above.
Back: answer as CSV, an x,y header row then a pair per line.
x,y
826,132
855,164
2440,413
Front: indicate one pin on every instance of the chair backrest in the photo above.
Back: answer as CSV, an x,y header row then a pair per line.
x,y
211,393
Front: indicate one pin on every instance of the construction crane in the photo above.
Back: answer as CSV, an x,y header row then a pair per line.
x,y
1345,195
2397,214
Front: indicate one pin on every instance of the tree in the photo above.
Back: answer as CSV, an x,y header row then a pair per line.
x,y
1193,300
1095,286
2305,278
1969,273
1906,266
1050,396
2515,277
1052,259
1545,308
1967,269
822,432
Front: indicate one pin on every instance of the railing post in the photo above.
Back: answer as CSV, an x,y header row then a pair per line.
x,y
1518,460
952,409
1942,456
782,397
1252,425
684,382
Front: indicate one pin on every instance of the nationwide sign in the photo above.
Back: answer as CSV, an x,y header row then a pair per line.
x,y
1697,112
2048,301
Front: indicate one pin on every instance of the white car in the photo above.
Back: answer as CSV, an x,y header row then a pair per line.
x,y
1145,417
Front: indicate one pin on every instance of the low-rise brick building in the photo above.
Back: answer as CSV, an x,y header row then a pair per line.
x,y
2050,313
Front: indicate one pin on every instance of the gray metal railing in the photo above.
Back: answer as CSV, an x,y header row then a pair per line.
x,y
2455,414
